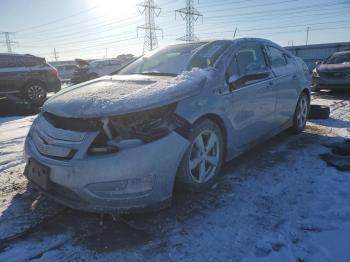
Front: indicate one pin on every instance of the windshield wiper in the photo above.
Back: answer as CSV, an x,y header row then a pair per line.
x,y
152,73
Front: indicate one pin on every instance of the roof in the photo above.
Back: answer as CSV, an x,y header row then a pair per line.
x,y
15,54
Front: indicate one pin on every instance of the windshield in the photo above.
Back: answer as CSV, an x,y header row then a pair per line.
x,y
339,59
173,60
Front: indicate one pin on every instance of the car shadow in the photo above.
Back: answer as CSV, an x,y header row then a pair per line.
x,y
331,122
106,234
18,108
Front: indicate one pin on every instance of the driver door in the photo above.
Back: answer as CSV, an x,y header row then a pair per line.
x,y
252,104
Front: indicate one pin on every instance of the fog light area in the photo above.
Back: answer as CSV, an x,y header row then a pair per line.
x,y
123,188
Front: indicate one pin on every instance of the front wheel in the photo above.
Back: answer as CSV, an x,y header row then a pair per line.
x,y
202,161
301,113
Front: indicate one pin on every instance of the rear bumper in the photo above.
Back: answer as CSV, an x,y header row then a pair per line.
x,y
54,85
132,180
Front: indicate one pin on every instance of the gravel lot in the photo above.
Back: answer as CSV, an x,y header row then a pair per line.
x,y
278,202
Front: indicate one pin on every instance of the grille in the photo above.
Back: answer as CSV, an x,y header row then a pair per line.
x,y
75,124
54,142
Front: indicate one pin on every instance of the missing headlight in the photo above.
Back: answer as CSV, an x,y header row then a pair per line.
x,y
134,129
148,125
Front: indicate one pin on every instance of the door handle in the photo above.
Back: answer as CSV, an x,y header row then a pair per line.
x,y
294,76
271,83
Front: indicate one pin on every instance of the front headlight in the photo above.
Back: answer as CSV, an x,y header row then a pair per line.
x,y
137,128
315,73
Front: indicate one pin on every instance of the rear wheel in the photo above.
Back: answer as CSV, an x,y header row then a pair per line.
x,y
203,159
36,93
301,113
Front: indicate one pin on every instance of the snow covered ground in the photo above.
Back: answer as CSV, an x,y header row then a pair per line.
x,y
278,202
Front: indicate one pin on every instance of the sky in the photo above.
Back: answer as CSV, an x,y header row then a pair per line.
x,y
106,28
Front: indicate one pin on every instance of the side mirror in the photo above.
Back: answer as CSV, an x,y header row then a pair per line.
x,y
234,81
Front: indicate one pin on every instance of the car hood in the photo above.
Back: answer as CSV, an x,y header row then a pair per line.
x,y
334,67
121,94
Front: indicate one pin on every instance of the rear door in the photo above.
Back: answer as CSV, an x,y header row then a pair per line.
x,y
286,83
12,74
253,103
37,66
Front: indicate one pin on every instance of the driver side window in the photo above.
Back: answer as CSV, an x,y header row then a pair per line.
x,y
250,60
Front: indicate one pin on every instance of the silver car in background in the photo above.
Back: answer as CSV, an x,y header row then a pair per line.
x,y
120,143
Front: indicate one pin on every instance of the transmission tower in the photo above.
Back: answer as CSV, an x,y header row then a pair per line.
x,y
150,10
8,41
191,15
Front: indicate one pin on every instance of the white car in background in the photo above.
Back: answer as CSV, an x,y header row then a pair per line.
x,y
66,72
91,70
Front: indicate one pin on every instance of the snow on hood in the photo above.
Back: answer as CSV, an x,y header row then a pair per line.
x,y
121,94
345,67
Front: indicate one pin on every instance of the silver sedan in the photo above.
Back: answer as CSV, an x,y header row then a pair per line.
x,y
121,143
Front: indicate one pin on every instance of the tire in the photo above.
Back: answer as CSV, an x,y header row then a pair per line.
x,y
36,93
319,112
196,173
301,113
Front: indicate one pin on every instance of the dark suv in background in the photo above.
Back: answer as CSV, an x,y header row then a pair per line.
x,y
28,77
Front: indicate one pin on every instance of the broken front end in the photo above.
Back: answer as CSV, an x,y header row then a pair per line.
x,y
115,164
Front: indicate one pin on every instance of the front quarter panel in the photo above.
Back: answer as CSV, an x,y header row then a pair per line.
x,y
210,102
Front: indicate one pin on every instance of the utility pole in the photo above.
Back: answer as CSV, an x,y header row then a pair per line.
x,y
55,54
307,35
106,53
150,9
8,40
191,15
234,34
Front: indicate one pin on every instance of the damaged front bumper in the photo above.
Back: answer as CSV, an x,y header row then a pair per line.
x,y
138,177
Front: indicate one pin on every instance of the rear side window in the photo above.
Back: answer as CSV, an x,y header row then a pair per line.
x,y
277,57
31,61
250,60
7,61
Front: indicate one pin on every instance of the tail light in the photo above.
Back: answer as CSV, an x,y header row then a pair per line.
x,y
54,71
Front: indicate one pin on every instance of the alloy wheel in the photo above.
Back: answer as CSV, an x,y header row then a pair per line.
x,y
302,112
204,156
36,93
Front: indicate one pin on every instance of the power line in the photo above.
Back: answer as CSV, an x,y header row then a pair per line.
x,y
58,20
278,11
74,35
8,40
150,10
190,14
